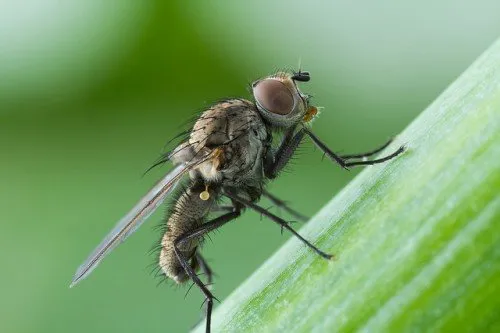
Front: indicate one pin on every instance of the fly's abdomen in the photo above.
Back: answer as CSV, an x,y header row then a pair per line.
x,y
188,213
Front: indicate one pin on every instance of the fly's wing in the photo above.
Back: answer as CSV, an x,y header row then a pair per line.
x,y
134,219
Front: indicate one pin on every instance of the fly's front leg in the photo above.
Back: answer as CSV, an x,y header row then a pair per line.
x,y
367,154
196,233
275,162
344,162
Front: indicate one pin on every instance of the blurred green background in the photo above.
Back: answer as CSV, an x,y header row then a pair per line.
x,y
91,91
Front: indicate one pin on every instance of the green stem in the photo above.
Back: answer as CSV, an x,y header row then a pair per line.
x,y
417,239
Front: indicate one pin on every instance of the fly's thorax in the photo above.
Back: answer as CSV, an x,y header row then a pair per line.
x,y
233,134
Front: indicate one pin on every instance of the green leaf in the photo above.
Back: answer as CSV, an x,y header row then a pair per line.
x,y
417,239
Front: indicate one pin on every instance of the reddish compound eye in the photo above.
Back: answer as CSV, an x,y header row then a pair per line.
x,y
273,96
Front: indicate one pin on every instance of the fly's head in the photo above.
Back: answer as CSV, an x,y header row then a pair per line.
x,y
280,101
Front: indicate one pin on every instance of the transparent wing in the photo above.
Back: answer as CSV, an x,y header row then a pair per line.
x,y
134,219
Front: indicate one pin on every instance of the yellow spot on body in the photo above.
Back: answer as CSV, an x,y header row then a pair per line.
x,y
205,195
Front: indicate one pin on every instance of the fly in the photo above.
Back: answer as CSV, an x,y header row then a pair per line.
x,y
227,154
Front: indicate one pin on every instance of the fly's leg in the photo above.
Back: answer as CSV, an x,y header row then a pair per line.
x,y
222,209
282,204
274,163
367,154
284,224
195,233
203,265
205,268
341,159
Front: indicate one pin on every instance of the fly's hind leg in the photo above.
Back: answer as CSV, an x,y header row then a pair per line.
x,y
205,268
196,233
202,264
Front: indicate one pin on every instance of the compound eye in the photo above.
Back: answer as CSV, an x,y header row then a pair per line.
x,y
273,96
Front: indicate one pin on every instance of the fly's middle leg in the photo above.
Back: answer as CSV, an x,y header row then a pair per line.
x,y
282,204
222,209
284,224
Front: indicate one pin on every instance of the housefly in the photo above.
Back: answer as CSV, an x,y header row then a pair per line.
x,y
228,153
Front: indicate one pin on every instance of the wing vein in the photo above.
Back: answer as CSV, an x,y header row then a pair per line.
x,y
134,219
